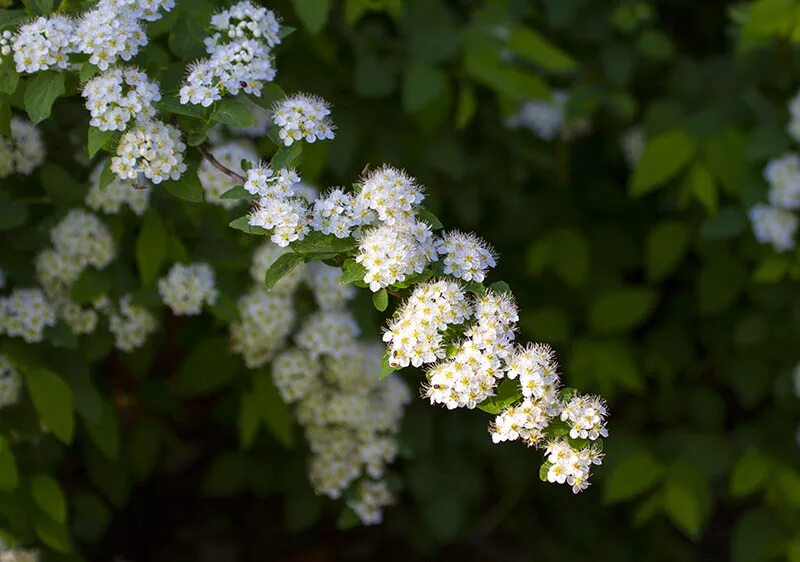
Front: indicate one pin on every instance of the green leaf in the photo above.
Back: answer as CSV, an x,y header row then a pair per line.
x,y
233,113
758,536
750,473
422,83
465,109
188,187
209,366
186,38
270,94
683,507
702,186
426,216
89,285
87,71
98,139
381,300
42,90
274,411
52,533
352,272
286,156
52,399
772,269
106,175
544,469
506,394
631,476
313,13
39,7
238,192
151,246
500,287
105,431
664,156
49,496
727,223
249,418
622,310
316,244
10,19
666,246
9,79
528,44
12,214
172,104
386,367
281,267
9,476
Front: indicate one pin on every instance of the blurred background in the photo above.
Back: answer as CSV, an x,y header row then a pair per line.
x,y
618,207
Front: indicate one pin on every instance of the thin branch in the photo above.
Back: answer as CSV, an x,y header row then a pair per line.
x,y
216,163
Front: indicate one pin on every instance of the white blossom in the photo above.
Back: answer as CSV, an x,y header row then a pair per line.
x,y
302,117
773,225
130,324
783,176
266,320
118,192
187,287
118,95
151,148
26,313
24,151
466,256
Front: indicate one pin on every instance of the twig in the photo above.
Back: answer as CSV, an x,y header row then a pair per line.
x,y
216,163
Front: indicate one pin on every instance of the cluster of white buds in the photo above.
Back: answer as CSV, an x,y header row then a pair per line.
x,y
466,256
26,313
632,144
118,95
24,151
351,418
215,182
118,192
130,324
151,148
302,117
187,287
266,320
10,382
5,43
80,240
239,55
547,118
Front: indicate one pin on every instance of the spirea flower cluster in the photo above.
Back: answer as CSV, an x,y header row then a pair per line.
x,y
10,382
302,117
547,118
150,148
118,95
187,287
239,55
26,313
777,221
130,324
24,151
111,198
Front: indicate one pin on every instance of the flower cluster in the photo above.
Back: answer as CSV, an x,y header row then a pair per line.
x,y
266,320
215,182
261,180
548,119
571,466
130,324
776,223
302,117
151,148
5,43
187,287
119,94
24,151
118,192
26,313
239,55
44,43
466,256
10,383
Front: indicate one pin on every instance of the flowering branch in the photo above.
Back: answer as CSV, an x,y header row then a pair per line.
x,y
216,163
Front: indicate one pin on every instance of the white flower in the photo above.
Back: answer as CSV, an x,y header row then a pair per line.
x,y
571,466
10,383
118,95
187,287
26,313
371,499
264,182
525,420
334,213
24,151
215,182
328,332
783,176
131,325
586,416
151,148
294,371
772,225
118,192
466,256
390,253
286,218
545,118
302,117
324,282
43,43
266,320
390,193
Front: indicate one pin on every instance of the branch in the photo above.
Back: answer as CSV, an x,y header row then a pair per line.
x,y
216,163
